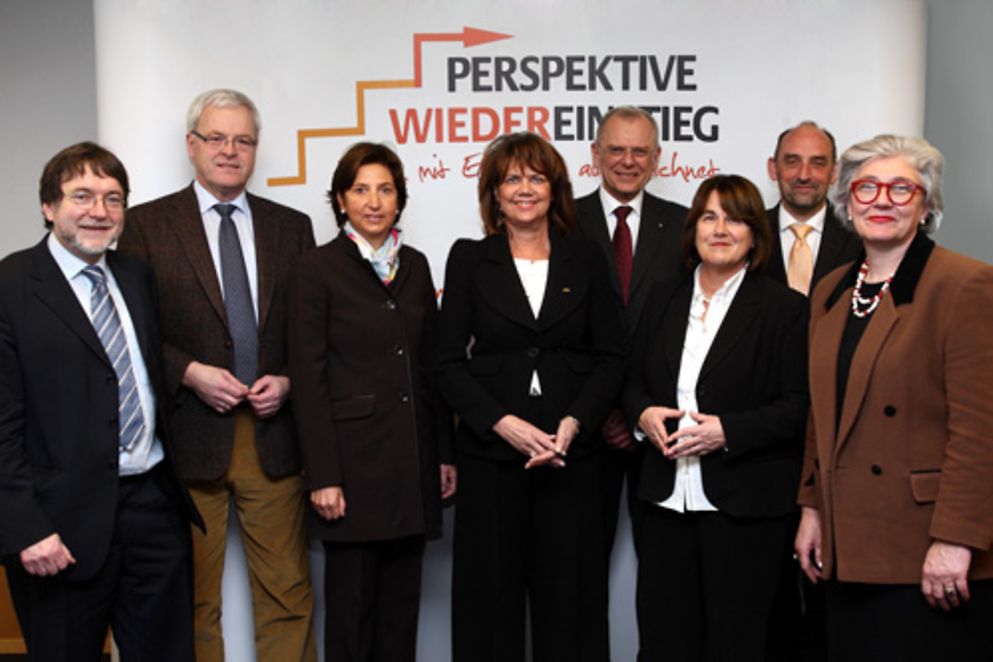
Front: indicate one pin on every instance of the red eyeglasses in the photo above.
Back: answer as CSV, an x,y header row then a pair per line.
x,y
899,192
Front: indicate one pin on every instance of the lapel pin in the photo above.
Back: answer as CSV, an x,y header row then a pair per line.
x,y
566,290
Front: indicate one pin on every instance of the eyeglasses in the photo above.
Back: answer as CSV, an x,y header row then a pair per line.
x,y
218,141
616,152
86,200
899,193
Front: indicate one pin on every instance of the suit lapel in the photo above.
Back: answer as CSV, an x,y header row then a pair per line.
x,y
266,256
833,242
863,362
134,297
561,293
676,322
594,225
777,269
51,287
191,235
500,284
742,313
824,342
650,226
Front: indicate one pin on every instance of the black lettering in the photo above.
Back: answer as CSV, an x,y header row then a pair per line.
x,y
698,129
528,68
458,67
479,71
551,67
685,72
574,73
598,75
504,69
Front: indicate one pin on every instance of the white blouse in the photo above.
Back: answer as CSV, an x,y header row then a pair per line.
x,y
534,277
688,493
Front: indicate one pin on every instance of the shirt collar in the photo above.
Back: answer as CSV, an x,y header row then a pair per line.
x,y
610,203
206,199
725,292
71,265
816,222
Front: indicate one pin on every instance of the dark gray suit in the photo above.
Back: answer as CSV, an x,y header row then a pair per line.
x,y
657,256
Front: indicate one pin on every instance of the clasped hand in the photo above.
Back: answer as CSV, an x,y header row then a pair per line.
x,y
541,448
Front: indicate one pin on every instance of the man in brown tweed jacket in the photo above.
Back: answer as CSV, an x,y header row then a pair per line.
x,y
222,258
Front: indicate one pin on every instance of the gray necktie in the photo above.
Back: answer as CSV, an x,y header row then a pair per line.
x,y
131,419
238,299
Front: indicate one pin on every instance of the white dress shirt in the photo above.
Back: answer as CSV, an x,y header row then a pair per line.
x,y
147,452
688,492
242,218
610,203
787,237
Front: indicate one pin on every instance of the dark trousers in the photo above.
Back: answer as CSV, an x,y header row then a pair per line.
x,y
529,539
796,624
143,591
706,583
372,592
893,623
619,465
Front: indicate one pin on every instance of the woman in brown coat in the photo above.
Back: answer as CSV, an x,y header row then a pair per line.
x,y
897,485
372,432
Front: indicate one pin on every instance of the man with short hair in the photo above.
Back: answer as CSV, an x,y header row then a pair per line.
x,y
222,259
641,236
94,519
809,243
809,240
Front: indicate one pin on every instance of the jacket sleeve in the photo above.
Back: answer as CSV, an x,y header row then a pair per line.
x,y
469,399
781,421
443,422
607,346
22,520
307,352
134,242
963,512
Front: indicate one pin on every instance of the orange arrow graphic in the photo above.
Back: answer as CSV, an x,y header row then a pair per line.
x,y
469,37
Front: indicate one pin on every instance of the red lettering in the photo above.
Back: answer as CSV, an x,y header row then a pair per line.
x,y
410,121
456,121
537,118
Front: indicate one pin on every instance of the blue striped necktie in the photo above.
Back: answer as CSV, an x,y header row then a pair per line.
x,y
108,327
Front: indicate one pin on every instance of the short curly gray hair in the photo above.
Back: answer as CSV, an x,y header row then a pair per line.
x,y
221,98
921,154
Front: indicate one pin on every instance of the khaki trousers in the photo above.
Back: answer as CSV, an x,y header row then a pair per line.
x,y
270,513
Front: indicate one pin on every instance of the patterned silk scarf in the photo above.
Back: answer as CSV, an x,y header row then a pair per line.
x,y
385,259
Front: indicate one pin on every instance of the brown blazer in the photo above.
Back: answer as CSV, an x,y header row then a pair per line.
x,y
911,459
168,234
368,416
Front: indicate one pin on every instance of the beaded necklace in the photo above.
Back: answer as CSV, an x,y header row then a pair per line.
x,y
861,306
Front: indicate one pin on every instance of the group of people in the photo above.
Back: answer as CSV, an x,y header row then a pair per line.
x,y
771,444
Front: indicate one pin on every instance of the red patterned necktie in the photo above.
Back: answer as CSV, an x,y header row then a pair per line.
x,y
623,250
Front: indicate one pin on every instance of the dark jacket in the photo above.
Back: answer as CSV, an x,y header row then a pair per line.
x,y
168,234
576,344
366,411
754,378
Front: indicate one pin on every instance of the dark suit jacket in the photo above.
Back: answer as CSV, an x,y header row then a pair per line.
x,y
754,378
361,357
168,234
911,459
658,254
575,344
838,246
58,408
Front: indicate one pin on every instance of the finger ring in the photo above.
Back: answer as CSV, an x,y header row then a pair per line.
x,y
950,590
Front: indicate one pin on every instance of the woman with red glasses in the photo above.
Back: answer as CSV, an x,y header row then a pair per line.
x,y
897,484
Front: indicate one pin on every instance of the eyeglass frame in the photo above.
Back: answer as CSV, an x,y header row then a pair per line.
x,y
217,142
87,200
888,186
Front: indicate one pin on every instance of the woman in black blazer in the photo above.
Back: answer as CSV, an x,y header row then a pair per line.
x,y
372,431
530,358
718,385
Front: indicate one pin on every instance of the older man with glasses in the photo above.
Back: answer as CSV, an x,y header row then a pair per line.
x,y
222,258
